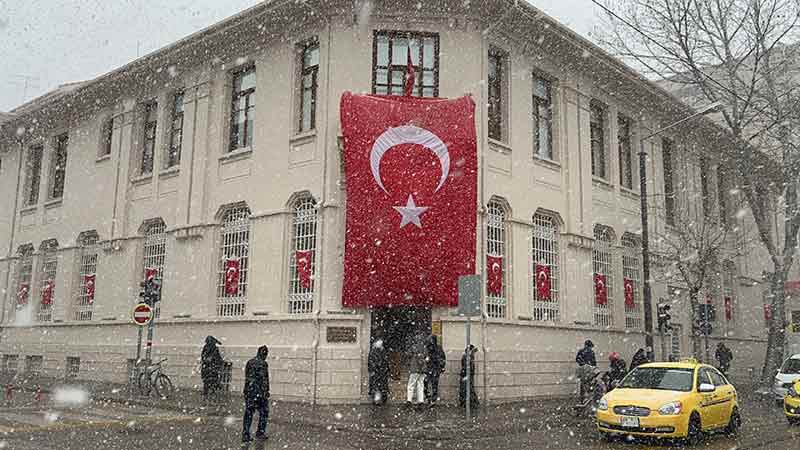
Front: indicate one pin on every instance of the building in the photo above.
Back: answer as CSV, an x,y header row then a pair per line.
x,y
226,144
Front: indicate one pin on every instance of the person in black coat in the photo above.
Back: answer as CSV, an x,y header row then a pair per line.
x,y
378,367
617,370
586,355
256,394
639,358
724,357
462,389
210,366
436,363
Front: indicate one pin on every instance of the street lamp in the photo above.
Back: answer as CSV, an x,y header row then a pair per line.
x,y
647,294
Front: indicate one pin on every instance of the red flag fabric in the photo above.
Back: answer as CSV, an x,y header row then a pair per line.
x,y
408,88
600,289
767,312
47,292
411,177
494,274
22,293
150,273
630,302
728,309
232,277
89,281
543,290
302,259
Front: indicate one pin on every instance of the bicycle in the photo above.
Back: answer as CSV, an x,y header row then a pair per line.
x,y
152,377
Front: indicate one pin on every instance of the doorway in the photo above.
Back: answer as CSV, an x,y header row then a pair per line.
x,y
397,327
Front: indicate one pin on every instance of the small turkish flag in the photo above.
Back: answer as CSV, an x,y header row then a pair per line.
x,y
600,289
47,292
150,273
494,274
543,282
88,281
767,312
22,293
302,259
630,303
408,88
231,277
728,308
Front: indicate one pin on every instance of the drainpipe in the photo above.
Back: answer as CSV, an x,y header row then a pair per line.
x,y
13,231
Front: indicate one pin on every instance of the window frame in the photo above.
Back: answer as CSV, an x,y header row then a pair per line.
x,y
668,170
48,271
33,174
497,93
234,241
598,145
313,72
305,221
106,137
154,254
497,245
249,108
625,144
149,137
549,105
58,167
24,275
632,270
173,153
88,262
546,310
419,87
603,264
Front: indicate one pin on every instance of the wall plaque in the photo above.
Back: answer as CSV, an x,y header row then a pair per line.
x,y
341,334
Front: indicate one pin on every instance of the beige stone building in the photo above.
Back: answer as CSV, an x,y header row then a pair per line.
x,y
227,144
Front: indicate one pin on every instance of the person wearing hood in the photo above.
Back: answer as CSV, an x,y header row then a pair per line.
x,y
378,367
462,388
724,356
639,358
256,394
436,363
211,366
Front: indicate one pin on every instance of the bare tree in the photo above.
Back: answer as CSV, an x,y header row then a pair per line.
x,y
743,53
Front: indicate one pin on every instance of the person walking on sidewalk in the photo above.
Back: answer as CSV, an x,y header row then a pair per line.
x,y
378,367
256,394
436,363
210,366
417,365
462,388
586,364
724,357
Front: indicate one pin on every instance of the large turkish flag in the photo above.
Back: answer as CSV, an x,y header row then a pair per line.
x,y
411,176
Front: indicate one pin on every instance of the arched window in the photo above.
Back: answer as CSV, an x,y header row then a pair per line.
x,y
48,267
728,293
302,267
496,299
154,253
545,268
631,285
603,268
24,275
87,275
232,269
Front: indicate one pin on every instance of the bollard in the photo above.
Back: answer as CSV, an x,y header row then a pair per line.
x,y
9,392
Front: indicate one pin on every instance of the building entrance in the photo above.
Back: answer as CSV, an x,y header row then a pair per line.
x,y
397,327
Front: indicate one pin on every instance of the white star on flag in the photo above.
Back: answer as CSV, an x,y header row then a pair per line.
x,y
410,213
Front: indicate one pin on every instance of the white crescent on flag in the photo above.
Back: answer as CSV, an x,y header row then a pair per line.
x,y
408,134
495,267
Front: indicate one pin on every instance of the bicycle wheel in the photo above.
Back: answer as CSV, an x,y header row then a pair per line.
x,y
144,383
163,386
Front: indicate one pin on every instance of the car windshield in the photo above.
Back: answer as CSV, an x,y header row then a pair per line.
x,y
662,378
791,367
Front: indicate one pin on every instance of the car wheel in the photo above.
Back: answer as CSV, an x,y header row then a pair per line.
x,y
694,433
734,423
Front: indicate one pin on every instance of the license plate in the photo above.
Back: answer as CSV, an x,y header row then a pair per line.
x,y
629,422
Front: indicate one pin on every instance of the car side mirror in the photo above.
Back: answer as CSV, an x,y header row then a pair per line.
x,y
706,387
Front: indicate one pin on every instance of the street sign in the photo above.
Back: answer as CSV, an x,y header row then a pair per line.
x,y
142,314
469,295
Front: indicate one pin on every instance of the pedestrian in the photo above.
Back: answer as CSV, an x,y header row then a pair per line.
x,y
587,362
417,365
436,363
256,394
724,357
210,366
617,370
639,358
462,388
378,367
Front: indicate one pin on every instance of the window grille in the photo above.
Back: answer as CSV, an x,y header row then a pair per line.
x,y
59,169
107,135
496,246
304,237
390,62
84,302
309,70
33,173
10,364
175,132
243,104
235,244
602,263
542,118
625,152
73,367
48,277
149,143
597,131
545,252
24,280
154,254
34,365
631,269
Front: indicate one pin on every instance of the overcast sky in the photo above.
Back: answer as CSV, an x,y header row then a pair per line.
x,y
50,42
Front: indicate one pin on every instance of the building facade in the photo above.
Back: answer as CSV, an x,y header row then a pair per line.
x,y
226,146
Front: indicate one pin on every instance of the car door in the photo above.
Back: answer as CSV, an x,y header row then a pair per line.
x,y
706,404
723,397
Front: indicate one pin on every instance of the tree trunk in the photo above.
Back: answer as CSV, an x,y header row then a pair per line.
x,y
776,336
695,331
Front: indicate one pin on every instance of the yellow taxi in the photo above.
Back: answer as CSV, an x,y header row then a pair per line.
x,y
670,400
791,403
